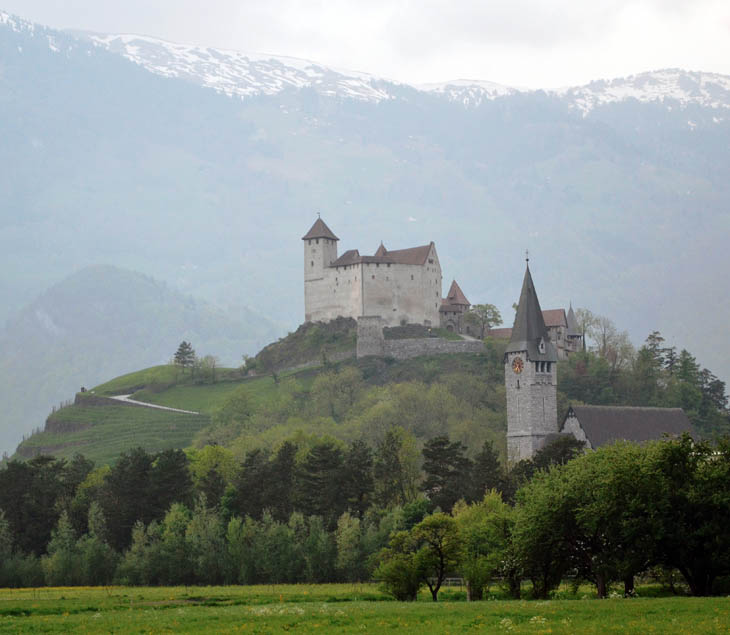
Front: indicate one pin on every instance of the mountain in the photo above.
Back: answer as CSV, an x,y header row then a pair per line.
x,y
98,323
204,168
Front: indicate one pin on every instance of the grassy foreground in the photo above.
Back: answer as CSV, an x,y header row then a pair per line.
x,y
343,608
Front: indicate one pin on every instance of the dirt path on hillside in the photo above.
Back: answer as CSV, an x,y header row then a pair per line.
x,y
126,399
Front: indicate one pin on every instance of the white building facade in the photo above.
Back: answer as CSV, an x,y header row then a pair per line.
x,y
401,286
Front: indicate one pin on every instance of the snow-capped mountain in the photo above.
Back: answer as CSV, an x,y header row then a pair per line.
x,y
710,90
245,74
238,73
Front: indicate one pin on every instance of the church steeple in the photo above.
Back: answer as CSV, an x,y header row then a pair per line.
x,y
530,378
529,333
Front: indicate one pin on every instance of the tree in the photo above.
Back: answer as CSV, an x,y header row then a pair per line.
x,y
438,537
319,491
185,355
484,532
694,510
448,472
61,566
350,556
484,317
487,471
125,496
400,569
98,559
358,478
395,469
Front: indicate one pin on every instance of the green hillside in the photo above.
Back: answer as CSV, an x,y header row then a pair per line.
x,y
458,394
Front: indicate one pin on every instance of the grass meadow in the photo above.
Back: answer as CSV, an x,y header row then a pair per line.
x,y
342,608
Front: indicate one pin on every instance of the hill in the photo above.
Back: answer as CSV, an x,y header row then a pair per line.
x,y
460,394
97,323
618,188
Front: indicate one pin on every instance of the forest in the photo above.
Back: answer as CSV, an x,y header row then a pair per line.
x,y
367,476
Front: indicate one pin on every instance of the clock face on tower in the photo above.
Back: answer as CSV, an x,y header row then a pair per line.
x,y
517,365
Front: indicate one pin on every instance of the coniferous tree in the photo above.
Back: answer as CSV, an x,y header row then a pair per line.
x,y
448,472
358,478
319,480
185,355
487,472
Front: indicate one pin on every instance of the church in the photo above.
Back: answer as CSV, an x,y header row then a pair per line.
x,y
531,381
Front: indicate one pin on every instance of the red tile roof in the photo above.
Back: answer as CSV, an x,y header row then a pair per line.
x,y
554,317
456,295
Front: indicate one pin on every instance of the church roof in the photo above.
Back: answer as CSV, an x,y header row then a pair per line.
x,y
411,256
319,230
573,326
529,327
456,295
606,424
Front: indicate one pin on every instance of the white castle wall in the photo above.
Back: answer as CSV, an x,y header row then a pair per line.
x,y
398,293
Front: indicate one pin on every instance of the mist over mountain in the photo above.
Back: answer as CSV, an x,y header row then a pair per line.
x,y
203,168
101,322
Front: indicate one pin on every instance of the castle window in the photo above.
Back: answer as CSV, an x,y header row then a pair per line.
x,y
411,276
430,260
313,263
377,264
373,277
388,265
316,240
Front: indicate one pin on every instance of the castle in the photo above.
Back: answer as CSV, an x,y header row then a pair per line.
x,y
400,286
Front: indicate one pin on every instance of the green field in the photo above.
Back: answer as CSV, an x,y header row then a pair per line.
x,y
204,398
107,431
342,608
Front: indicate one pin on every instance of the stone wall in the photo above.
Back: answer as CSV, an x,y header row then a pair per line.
x,y
371,341
414,347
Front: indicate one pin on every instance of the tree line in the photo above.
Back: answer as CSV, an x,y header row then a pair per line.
x,y
350,513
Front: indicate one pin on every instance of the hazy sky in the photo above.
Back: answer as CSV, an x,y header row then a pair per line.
x,y
530,43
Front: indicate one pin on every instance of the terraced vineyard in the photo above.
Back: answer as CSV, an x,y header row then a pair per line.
x,y
103,432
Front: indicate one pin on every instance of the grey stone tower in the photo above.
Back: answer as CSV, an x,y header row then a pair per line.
x,y
530,374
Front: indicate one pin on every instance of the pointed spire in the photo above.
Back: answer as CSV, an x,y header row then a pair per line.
x,y
456,295
573,326
529,328
381,250
319,230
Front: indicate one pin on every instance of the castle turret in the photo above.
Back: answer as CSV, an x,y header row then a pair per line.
x,y
530,370
320,251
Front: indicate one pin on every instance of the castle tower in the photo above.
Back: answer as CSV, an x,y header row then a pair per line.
x,y
530,374
320,251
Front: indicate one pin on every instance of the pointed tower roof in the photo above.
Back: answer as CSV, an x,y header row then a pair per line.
x,y
456,295
319,230
529,328
573,326
381,250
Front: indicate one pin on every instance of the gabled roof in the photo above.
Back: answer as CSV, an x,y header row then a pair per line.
x,y
573,326
606,424
529,327
319,230
456,295
554,317
350,257
411,256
